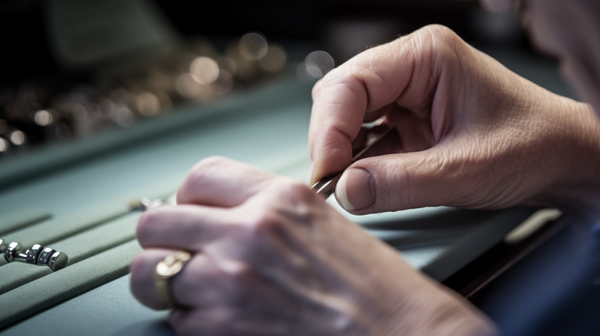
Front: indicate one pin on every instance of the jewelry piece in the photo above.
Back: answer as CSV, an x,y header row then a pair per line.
x,y
12,251
3,245
163,273
37,255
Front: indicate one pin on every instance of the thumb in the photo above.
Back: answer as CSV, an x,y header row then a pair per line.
x,y
402,181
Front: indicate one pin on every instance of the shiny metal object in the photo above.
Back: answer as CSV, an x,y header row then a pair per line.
x,y
163,273
45,255
326,186
33,253
3,245
144,204
58,260
36,255
13,251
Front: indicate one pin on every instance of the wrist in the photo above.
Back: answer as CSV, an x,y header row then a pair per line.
x,y
448,315
578,183
424,307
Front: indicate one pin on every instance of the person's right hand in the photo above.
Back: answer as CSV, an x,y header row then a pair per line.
x,y
473,134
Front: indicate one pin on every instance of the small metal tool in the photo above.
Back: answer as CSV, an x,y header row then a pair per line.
x,y
37,255
326,186
144,204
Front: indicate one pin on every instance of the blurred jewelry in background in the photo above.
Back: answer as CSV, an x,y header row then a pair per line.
x,y
126,64
118,95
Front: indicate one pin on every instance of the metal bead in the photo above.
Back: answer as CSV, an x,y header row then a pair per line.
x,y
58,261
3,245
12,251
45,256
33,253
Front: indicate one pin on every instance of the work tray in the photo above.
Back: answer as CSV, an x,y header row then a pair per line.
x,y
79,206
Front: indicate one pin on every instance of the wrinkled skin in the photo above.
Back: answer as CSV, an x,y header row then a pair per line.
x,y
272,258
473,134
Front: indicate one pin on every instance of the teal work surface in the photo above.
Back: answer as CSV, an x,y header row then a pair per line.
x,y
86,188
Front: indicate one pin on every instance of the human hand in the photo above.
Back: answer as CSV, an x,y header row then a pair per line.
x,y
472,133
272,258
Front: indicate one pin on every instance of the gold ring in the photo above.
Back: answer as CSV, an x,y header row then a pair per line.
x,y
167,269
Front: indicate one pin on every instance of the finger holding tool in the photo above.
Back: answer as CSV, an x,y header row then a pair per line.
x,y
326,186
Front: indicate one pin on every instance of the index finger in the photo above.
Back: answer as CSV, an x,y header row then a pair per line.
x,y
188,227
221,182
403,71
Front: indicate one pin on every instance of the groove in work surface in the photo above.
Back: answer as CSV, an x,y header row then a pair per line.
x,y
49,232
77,247
63,285
21,218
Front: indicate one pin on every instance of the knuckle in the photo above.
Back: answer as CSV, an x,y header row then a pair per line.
x,y
332,79
232,278
407,175
439,29
437,40
439,32
416,180
291,196
296,191
296,204
403,179
199,174
239,282
364,61
264,222
286,202
343,81
239,273
208,164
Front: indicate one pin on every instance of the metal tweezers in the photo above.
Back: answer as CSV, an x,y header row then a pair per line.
x,y
326,186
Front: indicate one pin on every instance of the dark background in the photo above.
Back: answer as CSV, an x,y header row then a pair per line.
x,y
25,52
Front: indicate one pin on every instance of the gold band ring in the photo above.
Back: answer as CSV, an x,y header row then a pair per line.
x,y
167,269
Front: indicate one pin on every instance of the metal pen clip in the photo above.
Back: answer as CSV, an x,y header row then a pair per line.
x,y
326,186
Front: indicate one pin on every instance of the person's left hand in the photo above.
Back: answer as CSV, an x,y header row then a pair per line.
x,y
272,258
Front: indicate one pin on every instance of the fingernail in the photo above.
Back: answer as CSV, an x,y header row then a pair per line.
x,y
355,190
